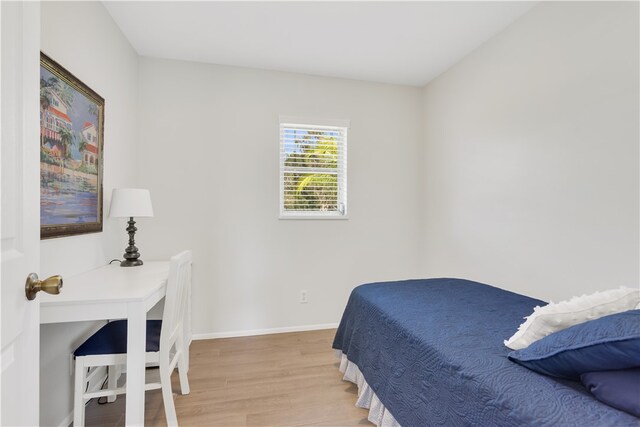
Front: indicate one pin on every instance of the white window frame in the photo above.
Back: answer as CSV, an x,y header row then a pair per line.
x,y
342,168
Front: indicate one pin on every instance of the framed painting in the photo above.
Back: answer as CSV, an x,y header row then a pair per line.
x,y
71,145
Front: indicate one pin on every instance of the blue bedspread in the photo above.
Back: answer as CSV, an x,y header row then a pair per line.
x,y
432,351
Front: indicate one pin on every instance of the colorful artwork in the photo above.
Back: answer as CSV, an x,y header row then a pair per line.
x,y
71,143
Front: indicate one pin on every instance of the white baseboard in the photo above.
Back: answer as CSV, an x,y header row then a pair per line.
x,y
252,332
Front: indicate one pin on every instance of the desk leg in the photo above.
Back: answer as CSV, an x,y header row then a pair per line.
x,y
136,342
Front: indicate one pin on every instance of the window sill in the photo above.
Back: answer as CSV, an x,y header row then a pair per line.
x,y
303,217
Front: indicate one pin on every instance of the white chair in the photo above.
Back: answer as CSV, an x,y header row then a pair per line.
x,y
108,347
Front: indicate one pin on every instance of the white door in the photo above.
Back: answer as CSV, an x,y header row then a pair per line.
x,y
20,210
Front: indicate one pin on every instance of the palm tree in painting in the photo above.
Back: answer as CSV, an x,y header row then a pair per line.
x,y
82,145
45,96
93,110
67,140
46,87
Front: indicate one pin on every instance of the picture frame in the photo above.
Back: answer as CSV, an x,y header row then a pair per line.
x,y
71,153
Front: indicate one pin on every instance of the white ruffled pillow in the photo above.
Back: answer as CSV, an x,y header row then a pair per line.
x,y
555,317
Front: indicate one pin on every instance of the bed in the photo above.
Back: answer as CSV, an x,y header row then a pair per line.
x,y
431,352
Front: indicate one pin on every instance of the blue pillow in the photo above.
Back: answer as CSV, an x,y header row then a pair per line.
x,y
620,389
608,343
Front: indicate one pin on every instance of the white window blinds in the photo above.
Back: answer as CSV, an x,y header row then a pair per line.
x,y
313,169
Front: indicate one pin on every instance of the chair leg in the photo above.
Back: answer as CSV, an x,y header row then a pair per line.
x,y
112,382
167,393
78,392
183,366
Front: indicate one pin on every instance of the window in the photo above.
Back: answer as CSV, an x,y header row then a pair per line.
x,y
313,168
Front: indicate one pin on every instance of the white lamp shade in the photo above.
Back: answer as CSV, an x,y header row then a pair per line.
x,y
130,202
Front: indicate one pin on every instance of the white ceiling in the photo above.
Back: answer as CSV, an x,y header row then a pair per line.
x,y
393,42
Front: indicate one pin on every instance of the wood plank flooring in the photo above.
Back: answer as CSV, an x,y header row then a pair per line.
x,y
269,380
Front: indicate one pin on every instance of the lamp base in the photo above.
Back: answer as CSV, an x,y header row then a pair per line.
x,y
131,263
131,254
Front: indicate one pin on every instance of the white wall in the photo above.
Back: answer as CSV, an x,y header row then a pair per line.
x,y
531,155
209,153
83,38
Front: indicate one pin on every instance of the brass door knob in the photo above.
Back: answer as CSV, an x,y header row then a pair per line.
x,y
50,285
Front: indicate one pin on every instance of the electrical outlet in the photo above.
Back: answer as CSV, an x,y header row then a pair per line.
x,y
304,297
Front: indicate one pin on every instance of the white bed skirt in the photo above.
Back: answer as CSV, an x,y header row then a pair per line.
x,y
378,414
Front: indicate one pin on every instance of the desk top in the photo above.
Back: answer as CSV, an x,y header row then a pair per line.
x,y
110,283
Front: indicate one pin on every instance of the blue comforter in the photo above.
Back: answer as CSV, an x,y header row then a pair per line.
x,y
433,352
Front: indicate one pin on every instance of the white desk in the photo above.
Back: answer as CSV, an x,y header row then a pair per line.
x,y
114,292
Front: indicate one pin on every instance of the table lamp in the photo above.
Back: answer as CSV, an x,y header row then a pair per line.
x,y
130,203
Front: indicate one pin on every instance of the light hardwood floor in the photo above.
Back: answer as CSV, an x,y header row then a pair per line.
x,y
269,380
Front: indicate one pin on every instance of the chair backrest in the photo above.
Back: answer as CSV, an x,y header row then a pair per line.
x,y
175,302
